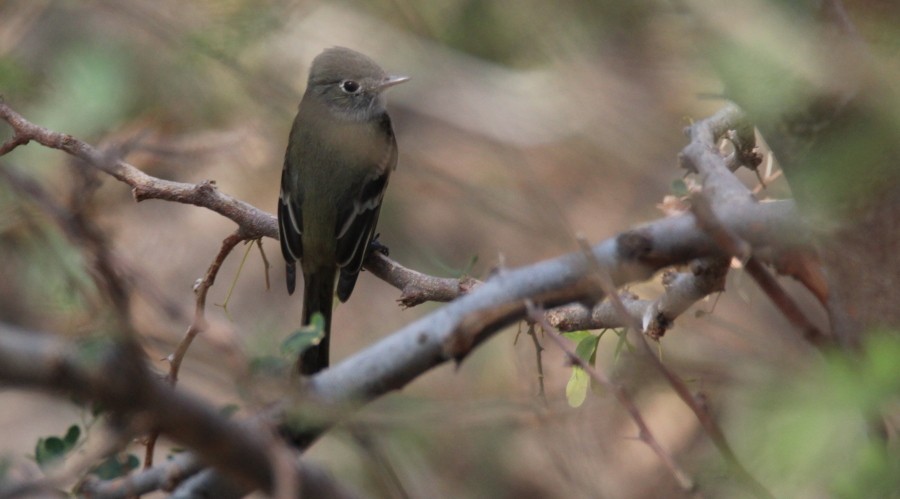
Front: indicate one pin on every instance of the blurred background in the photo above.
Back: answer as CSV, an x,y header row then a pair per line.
x,y
525,126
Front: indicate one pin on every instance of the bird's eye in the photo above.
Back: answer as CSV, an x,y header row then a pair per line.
x,y
350,86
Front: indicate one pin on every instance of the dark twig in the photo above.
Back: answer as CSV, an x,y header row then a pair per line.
x,y
415,287
254,222
683,290
385,473
740,249
539,362
644,434
709,424
198,325
201,290
723,192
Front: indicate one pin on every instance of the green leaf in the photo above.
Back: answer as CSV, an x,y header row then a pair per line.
x,y
577,336
116,466
577,387
679,188
49,450
307,336
72,435
580,382
586,349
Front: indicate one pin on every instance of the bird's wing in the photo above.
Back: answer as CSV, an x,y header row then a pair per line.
x,y
358,217
290,223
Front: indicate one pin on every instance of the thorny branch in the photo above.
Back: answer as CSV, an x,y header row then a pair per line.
x,y
707,422
480,309
723,191
741,250
644,434
198,325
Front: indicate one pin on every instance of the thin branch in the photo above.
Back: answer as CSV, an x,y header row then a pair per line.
x,y
578,317
644,434
723,192
201,290
415,287
682,290
197,326
254,222
539,361
709,424
701,156
740,249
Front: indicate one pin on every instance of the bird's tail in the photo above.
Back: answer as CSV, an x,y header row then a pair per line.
x,y
318,296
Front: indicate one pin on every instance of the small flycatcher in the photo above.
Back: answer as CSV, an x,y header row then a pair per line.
x,y
339,157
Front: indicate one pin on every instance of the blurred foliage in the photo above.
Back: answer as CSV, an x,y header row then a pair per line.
x,y
116,466
822,432
89,90
51,450
39,266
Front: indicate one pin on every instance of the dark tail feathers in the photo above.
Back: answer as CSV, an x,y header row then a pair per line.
x,y
318,296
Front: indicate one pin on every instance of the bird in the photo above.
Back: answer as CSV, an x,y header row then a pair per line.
x,y
340,155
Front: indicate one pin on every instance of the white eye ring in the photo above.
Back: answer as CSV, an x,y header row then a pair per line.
x,y
350,86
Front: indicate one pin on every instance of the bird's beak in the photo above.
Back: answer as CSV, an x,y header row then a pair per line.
x,y
390,81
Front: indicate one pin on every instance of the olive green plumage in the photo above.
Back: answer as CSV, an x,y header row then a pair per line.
x,y
340,155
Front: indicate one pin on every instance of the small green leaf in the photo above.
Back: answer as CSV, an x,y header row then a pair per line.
x,y
307,336
576,336
116,466
49,450
580,382
72,435
577,387
679,188
586,349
